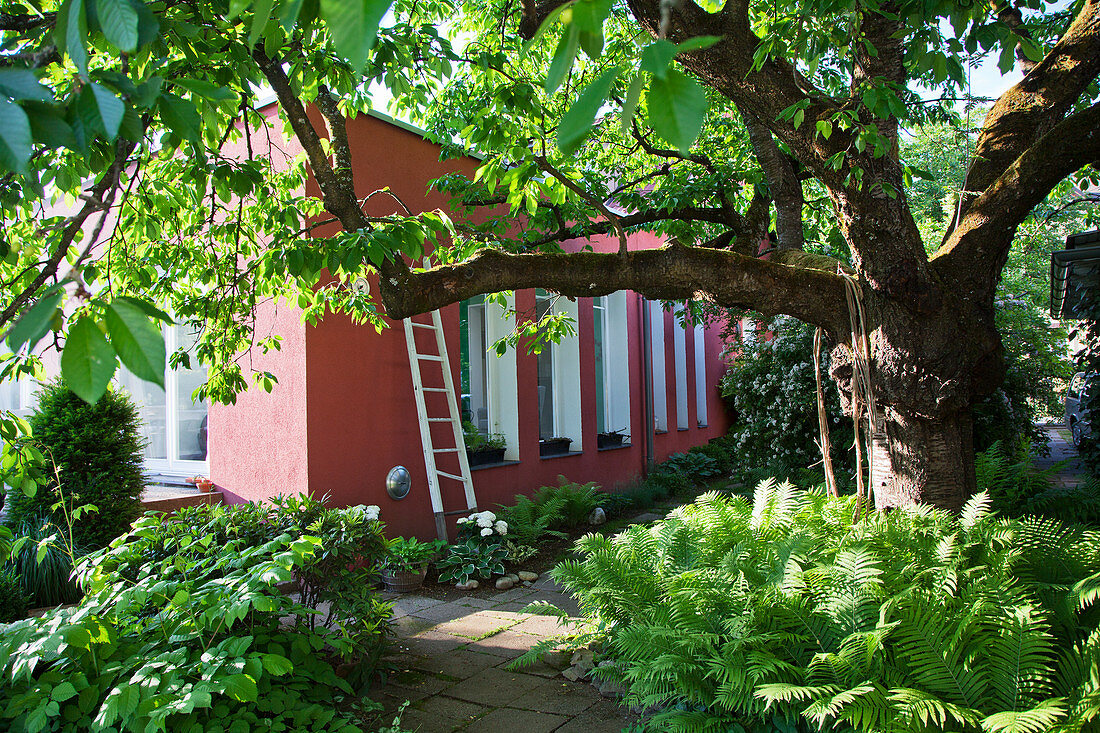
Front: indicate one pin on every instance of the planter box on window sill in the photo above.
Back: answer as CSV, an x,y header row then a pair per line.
x,y
484,456
609,440
554,446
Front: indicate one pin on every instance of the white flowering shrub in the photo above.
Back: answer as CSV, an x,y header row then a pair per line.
x,y
482,527
771,392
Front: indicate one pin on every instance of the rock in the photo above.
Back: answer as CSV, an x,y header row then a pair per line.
x,y
573,675
611,688
505,583
646,518
556,659
513,577
528,576
597,517
583,656
468,585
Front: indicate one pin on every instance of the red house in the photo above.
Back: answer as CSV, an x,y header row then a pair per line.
x,y
343,413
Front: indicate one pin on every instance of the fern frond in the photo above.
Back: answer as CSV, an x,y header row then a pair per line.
x,y
1043,717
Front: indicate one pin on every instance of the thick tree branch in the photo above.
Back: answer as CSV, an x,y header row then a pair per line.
x,y
978,248
673,272
783,183
17,23
1033,106
614,220
338,136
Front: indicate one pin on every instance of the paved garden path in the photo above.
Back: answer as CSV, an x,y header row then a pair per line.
x,y
451,658
1062,451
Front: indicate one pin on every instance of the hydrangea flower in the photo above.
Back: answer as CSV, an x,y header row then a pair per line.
x,y
486,532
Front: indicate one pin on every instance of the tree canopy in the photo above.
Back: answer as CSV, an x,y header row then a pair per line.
x,y
132,182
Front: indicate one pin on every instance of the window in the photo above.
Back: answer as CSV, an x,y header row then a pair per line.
x,y
679,352
17,395
488,381
559,380
700,344
612,364
173,423
657,349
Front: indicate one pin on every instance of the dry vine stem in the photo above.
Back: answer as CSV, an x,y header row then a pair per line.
x,y
863,396
823,443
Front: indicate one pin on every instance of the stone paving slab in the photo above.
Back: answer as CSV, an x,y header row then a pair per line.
x,y
477,625
558,696
442,612
494,687
460,664
509,720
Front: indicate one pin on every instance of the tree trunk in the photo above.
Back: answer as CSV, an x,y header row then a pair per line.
x,y
924,460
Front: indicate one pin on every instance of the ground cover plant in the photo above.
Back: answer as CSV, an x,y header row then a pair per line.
x,y
785,614
182,627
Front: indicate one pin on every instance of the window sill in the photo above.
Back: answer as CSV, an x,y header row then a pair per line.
x,y
660,432
614,447
562,455
681,430
484,466
701,425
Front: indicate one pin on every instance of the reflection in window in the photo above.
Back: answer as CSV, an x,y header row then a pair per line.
x,y
544,302
474,358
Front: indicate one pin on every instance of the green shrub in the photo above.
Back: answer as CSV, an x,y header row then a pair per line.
x,y
97,450
528,521
772,396
721,452
783,614
696,467
1017,488
182,628
44,562
13,601
668,482
568,504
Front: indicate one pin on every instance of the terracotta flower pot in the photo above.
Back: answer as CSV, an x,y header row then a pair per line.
x,y
205,485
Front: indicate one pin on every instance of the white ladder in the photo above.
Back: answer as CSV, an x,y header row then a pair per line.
x,y
454,417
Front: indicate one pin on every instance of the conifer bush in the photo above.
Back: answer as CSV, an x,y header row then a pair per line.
x,y
97,451
785,614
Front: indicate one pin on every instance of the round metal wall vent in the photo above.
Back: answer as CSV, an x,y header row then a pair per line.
x,y
398,482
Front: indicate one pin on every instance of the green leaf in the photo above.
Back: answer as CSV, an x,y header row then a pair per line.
x,y
206,90
260,18
181,117
87,361
23,84
138,342
49,128
148,308
119,21
577,121
241,687
34,324
63,691
72,32
277,664
562,61
630,102
676,106
289,16
353,25
99,109
656,58
698,43
15,137
824,128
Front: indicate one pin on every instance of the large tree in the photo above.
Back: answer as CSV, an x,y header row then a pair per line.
x,y
736,118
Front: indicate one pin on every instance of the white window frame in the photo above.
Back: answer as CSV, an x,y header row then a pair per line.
x,y
700,346
616,361
502,390
657,351
565,366
175,466
679,351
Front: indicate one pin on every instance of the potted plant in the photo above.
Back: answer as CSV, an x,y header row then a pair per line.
x,y
610,439
406,564
482,449
554,446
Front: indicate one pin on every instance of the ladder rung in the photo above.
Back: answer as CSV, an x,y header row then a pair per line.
x,y
423,325
460,511
434,389
429,357
451,475
439,419
445,450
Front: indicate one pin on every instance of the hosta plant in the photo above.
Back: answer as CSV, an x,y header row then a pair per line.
x,y
784,614
470,560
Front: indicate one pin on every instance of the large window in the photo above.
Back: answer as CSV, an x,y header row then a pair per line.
x,y
657,350
700,376
612,364
679,352
488,381
559,382
174,424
